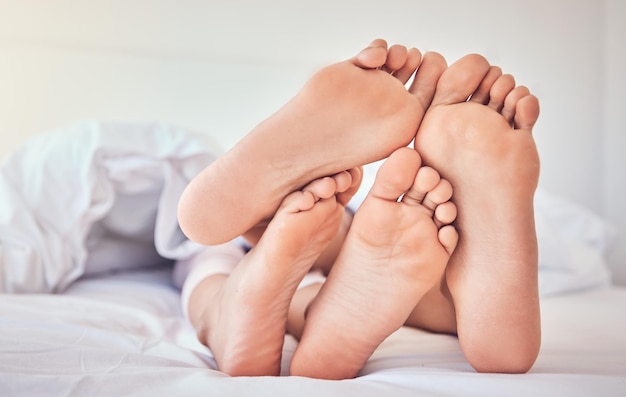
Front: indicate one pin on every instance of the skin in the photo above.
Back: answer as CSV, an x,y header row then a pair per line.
x,y
294,231
484,147
393,254
257,294
488,293
474,129
344,106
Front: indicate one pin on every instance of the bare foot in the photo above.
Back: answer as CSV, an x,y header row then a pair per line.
x,y
242,317
348,114
393,254
484,147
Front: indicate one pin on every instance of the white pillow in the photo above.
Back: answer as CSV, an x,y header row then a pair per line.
x,y
573,243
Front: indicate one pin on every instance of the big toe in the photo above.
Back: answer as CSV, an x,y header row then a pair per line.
x,y
429,72
396,175
373,56
461,80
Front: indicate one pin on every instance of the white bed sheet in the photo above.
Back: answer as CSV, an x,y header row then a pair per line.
x,y
124,334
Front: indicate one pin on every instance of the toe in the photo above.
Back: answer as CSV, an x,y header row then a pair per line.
x,y
356,177
297,202
413,59
343,181
438,195
445,214
426,180
500,90
461,80
448,237
396,58
373,56
426,78
526,113
323,188
396,175
510,102
482,94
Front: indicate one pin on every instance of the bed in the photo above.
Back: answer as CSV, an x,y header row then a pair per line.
x,y
91,302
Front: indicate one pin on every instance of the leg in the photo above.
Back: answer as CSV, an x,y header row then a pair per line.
x,y
242,317
484,147
296,318
348,114
380,269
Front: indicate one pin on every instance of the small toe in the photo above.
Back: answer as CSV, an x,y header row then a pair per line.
x,y
448,237
425,181
500,90
343,181
323,188
413,59
526,113
396,58
482,94
438,195
298,201
445,213
356,177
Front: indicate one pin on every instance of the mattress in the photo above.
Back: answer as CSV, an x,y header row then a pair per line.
x,y
124,334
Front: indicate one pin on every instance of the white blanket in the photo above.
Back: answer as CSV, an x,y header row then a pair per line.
x,y
92,197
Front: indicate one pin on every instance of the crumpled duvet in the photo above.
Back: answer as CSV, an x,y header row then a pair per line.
x,y
94,197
